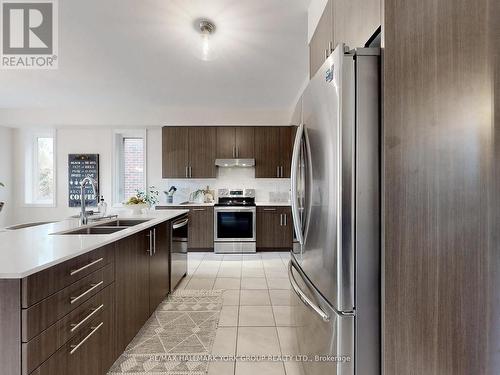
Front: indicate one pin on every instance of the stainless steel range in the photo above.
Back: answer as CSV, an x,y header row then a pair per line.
x,y
234,221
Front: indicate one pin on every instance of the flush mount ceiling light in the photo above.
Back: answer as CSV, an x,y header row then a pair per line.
x,y
206,28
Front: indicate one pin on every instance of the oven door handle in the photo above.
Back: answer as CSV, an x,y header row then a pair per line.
x,y
235,209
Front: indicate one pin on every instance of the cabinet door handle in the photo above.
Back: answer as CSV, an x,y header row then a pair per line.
x,y
331,46
278,171
237,151
94,311
187,171
234,151
74,272
150,236
327,53
92,287
281,220
74,348
190,172
285,220
154,240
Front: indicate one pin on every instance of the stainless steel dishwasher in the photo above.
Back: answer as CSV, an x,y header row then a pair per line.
x,y
178,267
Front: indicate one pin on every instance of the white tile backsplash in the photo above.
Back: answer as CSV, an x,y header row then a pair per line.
x,y
266,189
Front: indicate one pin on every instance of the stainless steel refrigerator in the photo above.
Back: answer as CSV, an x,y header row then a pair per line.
x,y
335,272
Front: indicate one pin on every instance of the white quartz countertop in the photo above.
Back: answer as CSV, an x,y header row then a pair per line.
x,y
190,204
273,203
24,252
212,204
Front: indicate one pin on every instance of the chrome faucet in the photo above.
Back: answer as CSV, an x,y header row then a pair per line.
x,y
83,213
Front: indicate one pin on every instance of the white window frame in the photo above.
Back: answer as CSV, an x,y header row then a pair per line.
x,y
31,164
118,135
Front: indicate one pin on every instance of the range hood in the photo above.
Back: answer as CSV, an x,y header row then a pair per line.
x,y
232,163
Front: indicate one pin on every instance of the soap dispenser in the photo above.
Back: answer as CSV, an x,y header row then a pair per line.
x,y
102,207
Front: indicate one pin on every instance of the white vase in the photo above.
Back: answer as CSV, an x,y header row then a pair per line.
x,y
137,208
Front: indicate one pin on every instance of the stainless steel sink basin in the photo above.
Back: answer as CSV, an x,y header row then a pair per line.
x,y
122,223
28,225
95,230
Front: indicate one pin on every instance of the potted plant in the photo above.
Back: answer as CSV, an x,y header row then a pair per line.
x,y
142,200
1,203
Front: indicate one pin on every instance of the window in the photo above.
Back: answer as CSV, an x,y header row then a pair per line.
x,y
130,164
40,187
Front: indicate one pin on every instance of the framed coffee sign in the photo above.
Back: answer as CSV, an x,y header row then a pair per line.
x,y
79,167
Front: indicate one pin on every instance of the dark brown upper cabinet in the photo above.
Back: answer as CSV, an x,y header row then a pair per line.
x,y
235,142
202,146
351,22
226,142
175,155
189,152
287,139
273,151
245,142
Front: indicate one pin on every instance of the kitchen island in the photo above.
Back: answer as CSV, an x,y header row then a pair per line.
x,y
72,297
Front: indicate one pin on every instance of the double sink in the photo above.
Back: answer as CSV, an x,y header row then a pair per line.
x,y
106,228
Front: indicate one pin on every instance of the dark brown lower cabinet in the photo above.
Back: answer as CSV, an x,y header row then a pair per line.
x,y
159,278
284,233
132,287
91,351
201,228
142,280
96,305
274,228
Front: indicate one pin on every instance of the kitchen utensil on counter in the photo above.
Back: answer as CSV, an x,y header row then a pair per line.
x,y
170,194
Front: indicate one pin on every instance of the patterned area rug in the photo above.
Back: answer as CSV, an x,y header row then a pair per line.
x,y
183,326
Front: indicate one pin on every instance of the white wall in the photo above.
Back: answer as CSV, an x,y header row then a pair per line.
x,y
6,176
99,140
68,141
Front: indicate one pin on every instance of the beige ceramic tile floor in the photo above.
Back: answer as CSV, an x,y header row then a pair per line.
x,y
256,315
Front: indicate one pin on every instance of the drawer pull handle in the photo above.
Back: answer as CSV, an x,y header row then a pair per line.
x,y
94,311
92,287
198,209
74,272
269,209
74,348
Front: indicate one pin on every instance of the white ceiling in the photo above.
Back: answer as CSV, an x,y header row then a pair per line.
x,y
134,62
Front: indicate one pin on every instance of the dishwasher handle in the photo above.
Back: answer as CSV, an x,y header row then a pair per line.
x,y
180,223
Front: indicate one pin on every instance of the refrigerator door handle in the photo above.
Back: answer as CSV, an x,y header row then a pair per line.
x,y
293,177
302,295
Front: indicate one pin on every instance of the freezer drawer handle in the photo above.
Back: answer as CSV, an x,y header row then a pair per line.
x,y
302,296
